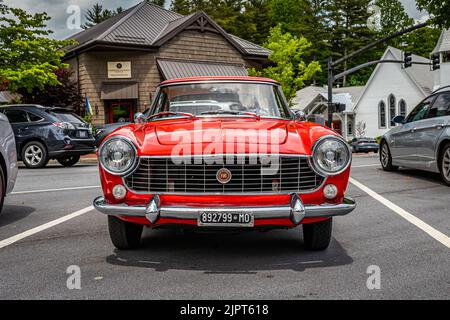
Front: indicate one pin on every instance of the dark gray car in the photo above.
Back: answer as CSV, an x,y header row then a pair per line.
x,y
8,159
365,145
422,139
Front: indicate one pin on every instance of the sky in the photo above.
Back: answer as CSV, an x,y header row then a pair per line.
x,y
57,10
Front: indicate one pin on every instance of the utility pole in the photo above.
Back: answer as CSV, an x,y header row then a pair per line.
x,y
330,92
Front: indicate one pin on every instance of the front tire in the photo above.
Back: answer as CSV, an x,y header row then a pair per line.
x,y
444,166
35,155
2,188
317,236
124,235
386,158
69,161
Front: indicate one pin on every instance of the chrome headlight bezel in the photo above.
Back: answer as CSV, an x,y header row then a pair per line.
x,y
318,168
126,171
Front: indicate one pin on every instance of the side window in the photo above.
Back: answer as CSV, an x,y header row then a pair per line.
x,y
16,116
402,108
420,111
34,118
392,109
441,106
382,115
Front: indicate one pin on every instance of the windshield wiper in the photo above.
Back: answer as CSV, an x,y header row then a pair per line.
x,y
237,113
169,113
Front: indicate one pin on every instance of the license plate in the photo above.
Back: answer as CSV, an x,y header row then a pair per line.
x,y
82,134
225,219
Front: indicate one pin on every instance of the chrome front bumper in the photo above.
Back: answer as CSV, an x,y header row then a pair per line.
x,y
295,211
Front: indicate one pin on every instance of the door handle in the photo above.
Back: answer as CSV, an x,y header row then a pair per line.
x,y
439,126
413,130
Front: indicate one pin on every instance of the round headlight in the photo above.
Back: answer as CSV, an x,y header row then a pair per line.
x,y
117,156
331,155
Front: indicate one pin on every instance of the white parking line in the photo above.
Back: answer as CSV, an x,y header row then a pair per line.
x,y
367,165
437,235
55,190
43,227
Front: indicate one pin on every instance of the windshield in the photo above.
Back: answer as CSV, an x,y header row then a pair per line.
x,y
222,98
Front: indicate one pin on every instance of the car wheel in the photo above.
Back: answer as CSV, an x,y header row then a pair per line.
x,y
317,236
2,188
69,161
34,155
124,235
386,158
445,164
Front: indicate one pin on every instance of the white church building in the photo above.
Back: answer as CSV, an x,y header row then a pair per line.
x,y
390,91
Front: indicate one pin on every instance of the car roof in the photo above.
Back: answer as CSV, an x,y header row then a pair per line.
x,y
443,89
223,78
23,106
37,106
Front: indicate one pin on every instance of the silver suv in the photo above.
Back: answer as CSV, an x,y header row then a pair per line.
x,y
8,159
422,139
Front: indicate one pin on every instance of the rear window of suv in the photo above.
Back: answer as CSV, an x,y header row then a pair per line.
x,y
67,117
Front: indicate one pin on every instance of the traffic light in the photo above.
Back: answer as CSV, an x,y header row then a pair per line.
x,y
435,61
407,60
338,107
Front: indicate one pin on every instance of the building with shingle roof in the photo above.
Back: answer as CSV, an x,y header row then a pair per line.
x,y
119,62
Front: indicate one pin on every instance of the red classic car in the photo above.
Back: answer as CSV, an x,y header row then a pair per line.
x,y
223,153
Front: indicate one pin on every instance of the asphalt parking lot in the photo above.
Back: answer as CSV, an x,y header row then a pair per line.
x,y
401,225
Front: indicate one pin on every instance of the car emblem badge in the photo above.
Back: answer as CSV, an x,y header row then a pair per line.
x,y
224,176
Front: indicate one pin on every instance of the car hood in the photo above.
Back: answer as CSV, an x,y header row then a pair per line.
x,y
223,135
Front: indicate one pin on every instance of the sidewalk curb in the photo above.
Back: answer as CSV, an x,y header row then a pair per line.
x,y
88,160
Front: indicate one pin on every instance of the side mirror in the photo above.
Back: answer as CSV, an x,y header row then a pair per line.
x,y
139,117
399,119
299,115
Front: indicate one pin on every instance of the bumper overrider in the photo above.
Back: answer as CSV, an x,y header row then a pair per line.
x,y
296,211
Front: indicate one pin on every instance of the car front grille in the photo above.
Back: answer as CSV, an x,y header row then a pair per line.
x,y
290,174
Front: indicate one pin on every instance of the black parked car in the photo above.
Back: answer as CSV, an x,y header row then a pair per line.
x,y
44,133
364,145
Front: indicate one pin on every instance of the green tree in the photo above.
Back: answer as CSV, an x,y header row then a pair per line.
x,y
158,2
289,67
423,41
28,58
312,25
63,95
348,31
97,14
393,18
439,9
183,7
256,20
248,19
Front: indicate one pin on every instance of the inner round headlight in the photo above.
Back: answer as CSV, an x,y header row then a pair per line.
x,y
331,155
117,156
